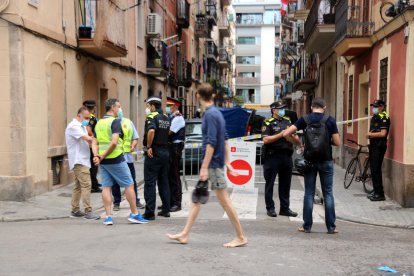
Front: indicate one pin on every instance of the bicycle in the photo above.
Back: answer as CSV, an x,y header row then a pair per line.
x,y
364,170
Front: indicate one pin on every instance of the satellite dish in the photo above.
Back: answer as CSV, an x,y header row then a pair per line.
x,y
3,5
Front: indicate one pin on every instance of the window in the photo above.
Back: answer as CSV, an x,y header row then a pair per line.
x,y
350,94
249,95
247,60
251,40
383,81
249,18
249,74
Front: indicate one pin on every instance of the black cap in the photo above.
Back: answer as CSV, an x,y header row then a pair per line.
x,y
319,102
277,105
153,99
89,103
377,103
173,101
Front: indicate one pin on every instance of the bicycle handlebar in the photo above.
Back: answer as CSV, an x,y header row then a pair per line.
x,y
353,142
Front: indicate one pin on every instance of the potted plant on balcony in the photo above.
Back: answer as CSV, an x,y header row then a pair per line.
x,y
329,18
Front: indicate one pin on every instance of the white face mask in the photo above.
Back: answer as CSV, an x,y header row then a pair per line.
x,y
147,111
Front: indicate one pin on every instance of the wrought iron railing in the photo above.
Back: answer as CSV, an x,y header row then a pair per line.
x,y
183,13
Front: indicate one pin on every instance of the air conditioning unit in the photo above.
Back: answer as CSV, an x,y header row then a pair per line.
x,y
154,24
181,92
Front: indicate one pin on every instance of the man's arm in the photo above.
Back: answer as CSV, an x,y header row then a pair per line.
x,y
112,146
89,129
87,138
272,138
96,159
288,132
294,139
381,134
150,139
336,140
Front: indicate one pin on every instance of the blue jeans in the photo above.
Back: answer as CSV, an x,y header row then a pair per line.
x,y
325,170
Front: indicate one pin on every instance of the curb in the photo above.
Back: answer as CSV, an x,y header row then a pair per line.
x,y
382,224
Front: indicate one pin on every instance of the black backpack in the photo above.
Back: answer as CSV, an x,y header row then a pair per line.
x,y
317,142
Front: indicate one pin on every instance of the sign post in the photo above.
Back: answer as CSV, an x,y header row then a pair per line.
x,y
243,159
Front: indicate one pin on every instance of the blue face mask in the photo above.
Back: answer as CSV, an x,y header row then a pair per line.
x,y
168,110
375,110
281,112
85,122
120,114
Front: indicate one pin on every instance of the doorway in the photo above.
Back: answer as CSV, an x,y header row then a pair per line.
x,y
103,96
363,112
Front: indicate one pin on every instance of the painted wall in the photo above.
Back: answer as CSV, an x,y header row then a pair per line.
x,y
267,75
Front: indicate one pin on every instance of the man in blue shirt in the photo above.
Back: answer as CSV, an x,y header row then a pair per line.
x,y
215,156
323,167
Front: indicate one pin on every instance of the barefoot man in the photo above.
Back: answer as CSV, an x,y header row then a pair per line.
x,y
215,153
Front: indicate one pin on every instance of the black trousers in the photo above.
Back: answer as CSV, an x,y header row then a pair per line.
x,y
278,164
156,171
94,171
116,190
376,157
176,151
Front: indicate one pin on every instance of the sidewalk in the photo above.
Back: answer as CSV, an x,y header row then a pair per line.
x,y
52,205
353,205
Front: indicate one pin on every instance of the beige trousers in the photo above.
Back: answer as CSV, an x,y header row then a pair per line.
x,y
82,188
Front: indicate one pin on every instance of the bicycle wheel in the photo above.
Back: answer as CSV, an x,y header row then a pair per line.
x,y
366,178
350,173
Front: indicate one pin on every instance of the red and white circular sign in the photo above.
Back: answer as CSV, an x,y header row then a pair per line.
x,y
244,171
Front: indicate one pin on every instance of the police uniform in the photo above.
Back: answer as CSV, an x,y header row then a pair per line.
x,y
94,169
377,149
156,168
176,146
277,160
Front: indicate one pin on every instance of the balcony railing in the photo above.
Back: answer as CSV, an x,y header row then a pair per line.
x,y
247,80
318,11
185,78
224,27
211,11
350,22
157,57
183,14
102,28
202,27
211,50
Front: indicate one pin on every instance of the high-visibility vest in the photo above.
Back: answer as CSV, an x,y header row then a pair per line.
x,y
128,133
103,132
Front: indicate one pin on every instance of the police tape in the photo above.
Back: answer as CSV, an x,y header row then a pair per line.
x,y
353,121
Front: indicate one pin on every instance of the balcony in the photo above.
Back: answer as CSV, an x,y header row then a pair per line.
x,y
101,29
211,50
157,58
202,27
211,11
183,14
247,81
306,74
224,58
224,26
353,29
319,28
185,78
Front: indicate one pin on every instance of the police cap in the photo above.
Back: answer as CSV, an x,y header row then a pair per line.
x,y
155,99
173,101
277,105
378,102
89,103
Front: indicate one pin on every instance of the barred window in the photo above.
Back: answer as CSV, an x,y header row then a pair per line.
x,y
383,81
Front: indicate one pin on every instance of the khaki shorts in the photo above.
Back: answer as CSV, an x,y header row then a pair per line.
x,y
217,179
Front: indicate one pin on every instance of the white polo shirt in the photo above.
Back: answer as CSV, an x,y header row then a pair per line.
x,y
78,149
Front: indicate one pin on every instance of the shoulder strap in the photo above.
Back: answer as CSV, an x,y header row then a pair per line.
x,y
325,118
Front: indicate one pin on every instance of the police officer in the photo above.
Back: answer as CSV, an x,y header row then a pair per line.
x,y
278,159
176,145
157,127
377,135
91,106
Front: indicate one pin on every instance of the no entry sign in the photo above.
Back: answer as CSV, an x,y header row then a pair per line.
x,y
242,158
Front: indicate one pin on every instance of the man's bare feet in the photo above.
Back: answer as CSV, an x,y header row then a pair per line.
x,y
181,238
237,242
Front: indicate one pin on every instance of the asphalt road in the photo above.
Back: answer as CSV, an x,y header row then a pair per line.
x,y
80,247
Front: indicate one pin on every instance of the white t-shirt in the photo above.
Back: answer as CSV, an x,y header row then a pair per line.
x,y
176,124
78,149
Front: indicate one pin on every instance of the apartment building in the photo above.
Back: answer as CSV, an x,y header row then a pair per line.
x,y
257,44
56,54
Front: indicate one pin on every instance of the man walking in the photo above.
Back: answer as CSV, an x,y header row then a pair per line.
x,y
91,106
215,156
320,132
176,145
130,142
278,159
157,127
108,151
78,143
377,135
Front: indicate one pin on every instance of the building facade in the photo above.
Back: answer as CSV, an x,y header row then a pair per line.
x,y
257,45
57,54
